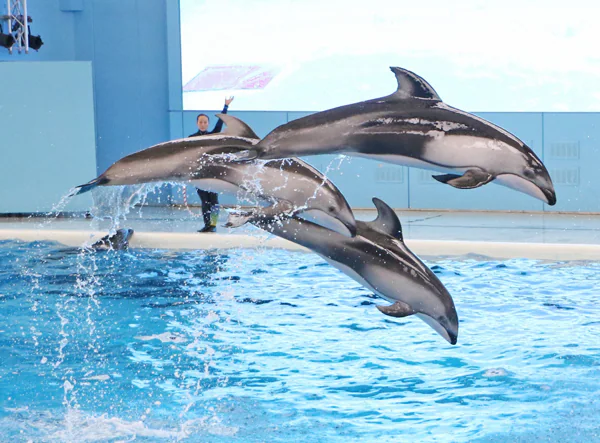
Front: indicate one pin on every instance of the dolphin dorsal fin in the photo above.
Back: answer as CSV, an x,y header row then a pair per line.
x,y
410,85
387,221
236,127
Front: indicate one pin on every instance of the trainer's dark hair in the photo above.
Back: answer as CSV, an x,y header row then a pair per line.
x,y
200,115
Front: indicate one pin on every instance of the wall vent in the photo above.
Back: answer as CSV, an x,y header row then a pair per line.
x,y
565,150
565,176
389,174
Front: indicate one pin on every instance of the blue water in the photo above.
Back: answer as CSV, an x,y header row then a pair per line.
x,y
275,346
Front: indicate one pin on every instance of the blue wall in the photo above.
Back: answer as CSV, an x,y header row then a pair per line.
x,y
47,135
125,40
134,48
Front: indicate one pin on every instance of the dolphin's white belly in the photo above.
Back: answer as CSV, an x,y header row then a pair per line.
x,y
457,153
407,286
397,287
387,293
352,274
464,151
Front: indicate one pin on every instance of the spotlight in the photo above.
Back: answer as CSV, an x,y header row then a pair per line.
x,y
6,40
35,42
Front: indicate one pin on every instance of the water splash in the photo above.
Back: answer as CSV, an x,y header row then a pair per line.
x,y
56,211
114,203
339,159
79,426
253,192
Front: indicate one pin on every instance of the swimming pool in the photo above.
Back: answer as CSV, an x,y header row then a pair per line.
x,y
250,345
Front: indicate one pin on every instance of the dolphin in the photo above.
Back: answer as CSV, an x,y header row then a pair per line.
x,y
414,127
119,241
289,185
377,258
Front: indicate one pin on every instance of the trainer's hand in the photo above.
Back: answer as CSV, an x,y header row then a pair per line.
x,y
228,100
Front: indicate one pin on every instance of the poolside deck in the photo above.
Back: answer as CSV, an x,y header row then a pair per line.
x,y
493,234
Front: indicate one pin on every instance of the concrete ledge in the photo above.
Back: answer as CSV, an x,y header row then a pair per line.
x,y
425,248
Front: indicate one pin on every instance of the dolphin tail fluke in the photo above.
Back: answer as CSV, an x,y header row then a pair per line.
x,y
472,178
81,189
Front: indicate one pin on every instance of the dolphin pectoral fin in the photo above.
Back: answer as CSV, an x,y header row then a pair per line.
x,y
243,156
398,309
472,178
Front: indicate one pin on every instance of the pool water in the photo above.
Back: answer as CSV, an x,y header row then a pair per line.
x,y
276,346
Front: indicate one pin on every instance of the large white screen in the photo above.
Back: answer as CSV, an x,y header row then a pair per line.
x,y
310,55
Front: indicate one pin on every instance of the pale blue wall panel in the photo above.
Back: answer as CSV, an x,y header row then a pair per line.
x,y
572,156
47,142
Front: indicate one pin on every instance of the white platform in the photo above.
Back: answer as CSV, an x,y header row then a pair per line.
x,y
497,235
427,248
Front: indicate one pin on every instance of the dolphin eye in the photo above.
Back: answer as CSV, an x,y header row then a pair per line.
x,y
331,209
529,173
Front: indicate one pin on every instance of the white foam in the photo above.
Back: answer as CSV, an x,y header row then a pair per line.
x,y
79,426
495,372
103,377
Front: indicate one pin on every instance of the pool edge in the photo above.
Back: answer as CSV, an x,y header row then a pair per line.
x,y
195,241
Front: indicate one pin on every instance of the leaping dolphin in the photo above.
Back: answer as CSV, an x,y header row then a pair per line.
x,y
290,185
414,127
378,259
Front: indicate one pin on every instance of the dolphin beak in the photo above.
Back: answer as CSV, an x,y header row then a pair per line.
x,y
453,337
341,222
544,182
346,216
451,333
449,330
550,196
450,325
351,228
447,327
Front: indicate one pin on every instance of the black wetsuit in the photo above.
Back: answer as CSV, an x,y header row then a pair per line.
x,y
210,200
